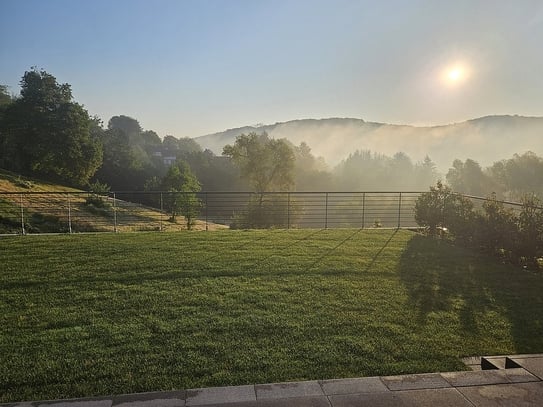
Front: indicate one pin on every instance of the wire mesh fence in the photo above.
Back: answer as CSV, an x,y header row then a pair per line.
x,y
76,212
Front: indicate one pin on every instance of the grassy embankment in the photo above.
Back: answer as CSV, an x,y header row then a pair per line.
x,y
54,213
84,315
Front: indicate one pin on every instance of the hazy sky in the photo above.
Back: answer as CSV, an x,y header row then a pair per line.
x,y
190,68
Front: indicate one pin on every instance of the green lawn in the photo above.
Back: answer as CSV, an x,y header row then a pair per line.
x,y
84,315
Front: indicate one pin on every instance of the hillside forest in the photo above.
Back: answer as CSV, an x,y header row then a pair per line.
x,y
45,133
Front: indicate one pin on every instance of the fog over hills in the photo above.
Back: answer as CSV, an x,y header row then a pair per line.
x,y
486,139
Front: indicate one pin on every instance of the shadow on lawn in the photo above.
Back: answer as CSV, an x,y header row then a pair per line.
x,y
332,250
440,277
374,259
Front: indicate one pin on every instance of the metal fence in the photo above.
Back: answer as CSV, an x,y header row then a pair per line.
x,y
75,212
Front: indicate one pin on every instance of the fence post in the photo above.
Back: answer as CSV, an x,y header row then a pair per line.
x,y
161,212
326,212
22,217
69,215
114,213
206,211
399,209
363,210
288,210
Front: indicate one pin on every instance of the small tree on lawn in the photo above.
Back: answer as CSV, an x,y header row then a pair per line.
x,y
182,186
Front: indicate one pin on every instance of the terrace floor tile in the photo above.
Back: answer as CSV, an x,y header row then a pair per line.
x,y
351,386
415,381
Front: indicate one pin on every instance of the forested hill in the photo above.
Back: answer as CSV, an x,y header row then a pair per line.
x,y
485,139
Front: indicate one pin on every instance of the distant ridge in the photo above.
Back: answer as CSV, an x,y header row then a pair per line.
x,y
486,139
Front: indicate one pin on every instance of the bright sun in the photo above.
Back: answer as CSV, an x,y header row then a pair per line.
x,y
454,75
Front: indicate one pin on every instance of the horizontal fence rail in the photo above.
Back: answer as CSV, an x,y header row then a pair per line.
x,y
76,212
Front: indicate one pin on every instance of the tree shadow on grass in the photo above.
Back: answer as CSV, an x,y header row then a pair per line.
x,y
440,277
374,259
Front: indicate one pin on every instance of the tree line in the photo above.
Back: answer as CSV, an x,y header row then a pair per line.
x,y
45,133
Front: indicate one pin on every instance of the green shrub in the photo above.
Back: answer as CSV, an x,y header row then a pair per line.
x,y
496,229
530,223
265,212
441,209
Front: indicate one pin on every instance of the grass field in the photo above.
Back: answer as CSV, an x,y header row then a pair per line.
x,y
84,315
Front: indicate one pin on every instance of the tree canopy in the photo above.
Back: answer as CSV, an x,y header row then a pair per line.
x,y
46,133
182,185
268,164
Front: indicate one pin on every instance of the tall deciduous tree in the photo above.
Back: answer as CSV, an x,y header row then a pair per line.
x,y
48,134
5,100
268,164
469,178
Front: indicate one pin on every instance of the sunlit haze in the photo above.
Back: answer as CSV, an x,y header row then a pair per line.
x,y
190,68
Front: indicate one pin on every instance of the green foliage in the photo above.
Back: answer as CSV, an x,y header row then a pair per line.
x,y
440,208
494,228
370,171
530,223
469,178
520,175
268,164
267,211
181,199
45,133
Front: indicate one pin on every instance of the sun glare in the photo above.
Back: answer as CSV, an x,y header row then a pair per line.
x,y
454,75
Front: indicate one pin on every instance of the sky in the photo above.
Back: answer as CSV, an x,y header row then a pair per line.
x,y
193,67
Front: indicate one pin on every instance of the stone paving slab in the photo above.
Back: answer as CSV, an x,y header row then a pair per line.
x,y
152,399
351,386
512,386
77,403
478,378
388,399
415,381
514,395
289,389
290,402
158,402
210,395
520,375
534,365
444,397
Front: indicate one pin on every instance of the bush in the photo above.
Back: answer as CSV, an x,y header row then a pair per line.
x,y
530,224
265,212
496,229
443,209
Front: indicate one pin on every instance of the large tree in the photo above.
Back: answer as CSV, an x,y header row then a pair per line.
x,y
469,178
268,164
520,175
5,100
46,133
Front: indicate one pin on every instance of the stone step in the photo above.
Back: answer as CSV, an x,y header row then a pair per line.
x,y
498,362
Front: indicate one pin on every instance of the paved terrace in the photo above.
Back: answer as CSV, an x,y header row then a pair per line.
x,y
494,381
